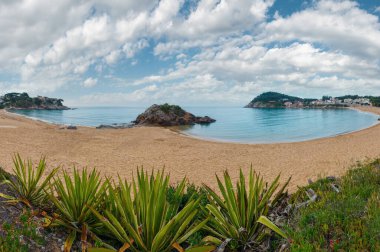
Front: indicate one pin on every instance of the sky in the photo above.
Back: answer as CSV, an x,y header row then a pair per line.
x,y
188,52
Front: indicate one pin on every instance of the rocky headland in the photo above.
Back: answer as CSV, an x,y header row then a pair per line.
x,y
169,115
24,101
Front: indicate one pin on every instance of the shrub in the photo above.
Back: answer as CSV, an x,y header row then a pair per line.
x,y
75,197
143,220
238,216
28,184
166,108
193,192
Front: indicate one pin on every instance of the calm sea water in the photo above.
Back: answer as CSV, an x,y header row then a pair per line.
x,y
233,124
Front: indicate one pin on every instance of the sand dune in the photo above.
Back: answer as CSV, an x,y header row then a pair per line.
x,y
121,151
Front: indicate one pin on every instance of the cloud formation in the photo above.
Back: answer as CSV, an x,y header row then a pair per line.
x,y
186,51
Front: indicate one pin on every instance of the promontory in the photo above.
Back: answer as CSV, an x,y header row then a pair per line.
x,y
24,101
278,100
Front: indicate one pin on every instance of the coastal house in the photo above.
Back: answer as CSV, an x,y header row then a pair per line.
x,y
288,104
362,102
348,101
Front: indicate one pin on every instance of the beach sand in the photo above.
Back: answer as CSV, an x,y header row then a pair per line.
x,y
121,151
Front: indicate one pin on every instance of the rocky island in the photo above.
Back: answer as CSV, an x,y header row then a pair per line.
x,y
278,100
169,115
24,101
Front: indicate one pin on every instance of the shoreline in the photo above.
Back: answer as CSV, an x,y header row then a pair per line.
x,y
121,151
176,130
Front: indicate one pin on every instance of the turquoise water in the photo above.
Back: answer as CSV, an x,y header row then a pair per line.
x,y
233,124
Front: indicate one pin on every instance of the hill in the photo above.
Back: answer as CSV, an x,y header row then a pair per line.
x,y
278,100
274,100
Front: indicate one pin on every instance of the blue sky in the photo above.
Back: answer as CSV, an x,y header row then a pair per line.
x,y
188,52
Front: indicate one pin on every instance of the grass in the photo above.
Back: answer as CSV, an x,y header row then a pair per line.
x,y
19,237
348,220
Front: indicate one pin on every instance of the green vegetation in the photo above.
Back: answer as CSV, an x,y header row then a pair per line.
x,y
28,184
3,175
275,98
22,100
148,214
237,214
278,100
353,97
167,108
26,229
76,197
143,220
348,220
375,101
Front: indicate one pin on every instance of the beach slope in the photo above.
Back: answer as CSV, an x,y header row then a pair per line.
x,y
121,151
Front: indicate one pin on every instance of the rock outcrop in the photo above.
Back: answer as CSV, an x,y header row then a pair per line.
x,y
115,126
169,115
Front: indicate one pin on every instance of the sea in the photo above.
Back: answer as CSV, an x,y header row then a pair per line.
x,y
233,124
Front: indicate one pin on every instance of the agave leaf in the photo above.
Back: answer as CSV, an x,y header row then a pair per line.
x,y
178,247
266,222
201,249
193,230
2,195
141,211
236,213
100,250
29,186
69,241
77,194
213,240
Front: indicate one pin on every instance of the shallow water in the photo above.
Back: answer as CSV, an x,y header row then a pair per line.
x,y
233,124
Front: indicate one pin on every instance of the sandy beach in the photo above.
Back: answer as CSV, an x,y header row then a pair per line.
x,y
121,151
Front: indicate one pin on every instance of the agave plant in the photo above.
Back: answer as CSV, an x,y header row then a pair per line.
x,y
28,183
238,215
143,220
75,196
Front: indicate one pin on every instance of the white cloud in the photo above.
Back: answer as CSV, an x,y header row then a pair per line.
x,y
297,67
90,82
222,50
112,99
339,25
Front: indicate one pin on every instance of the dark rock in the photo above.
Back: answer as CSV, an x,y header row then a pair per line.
x,y
331,178
205,120
115,126
169,115
72,127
